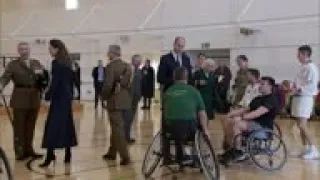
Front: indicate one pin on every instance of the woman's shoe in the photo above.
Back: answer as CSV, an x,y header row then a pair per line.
x,y
48,161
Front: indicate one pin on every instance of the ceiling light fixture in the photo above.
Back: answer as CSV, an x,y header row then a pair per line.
x,y
71,4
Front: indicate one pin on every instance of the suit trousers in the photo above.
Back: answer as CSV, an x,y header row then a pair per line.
x,y
97,91
129,116
146,102
117,138
24,121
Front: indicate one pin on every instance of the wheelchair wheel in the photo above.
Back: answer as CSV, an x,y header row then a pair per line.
x,y
152,156
207,156
267,150
277,130
5,170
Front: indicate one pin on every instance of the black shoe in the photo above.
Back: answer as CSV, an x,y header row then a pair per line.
x,y
125,162
109,157
48,161
237,155
22,157
226,156
36,155
131,141
144,107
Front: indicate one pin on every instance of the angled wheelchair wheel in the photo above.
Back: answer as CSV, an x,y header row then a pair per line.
x,y
267,150
208,160
277,130
5,170
152,156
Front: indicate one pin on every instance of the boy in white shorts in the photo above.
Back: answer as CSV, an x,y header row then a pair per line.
x,y
304,90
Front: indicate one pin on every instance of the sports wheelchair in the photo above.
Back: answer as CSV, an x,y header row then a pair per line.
x,y
202,156
263,144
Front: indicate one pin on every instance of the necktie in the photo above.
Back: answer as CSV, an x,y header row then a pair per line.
x,y
178,60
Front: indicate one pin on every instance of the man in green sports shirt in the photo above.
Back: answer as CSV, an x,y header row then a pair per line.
x,y
182,108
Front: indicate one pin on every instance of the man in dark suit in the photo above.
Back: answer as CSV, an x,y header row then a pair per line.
x,y
147,84
98,78
169,62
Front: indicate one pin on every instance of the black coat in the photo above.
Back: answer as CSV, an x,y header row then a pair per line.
x,y
95,75
59,129
147,89
168,65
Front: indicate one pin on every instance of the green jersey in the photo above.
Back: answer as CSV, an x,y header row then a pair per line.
x,y
182,102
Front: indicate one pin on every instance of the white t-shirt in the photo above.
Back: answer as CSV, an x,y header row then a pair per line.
x,y
252,91
307,80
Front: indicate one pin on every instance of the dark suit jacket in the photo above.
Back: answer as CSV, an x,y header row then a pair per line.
x,y
95,74
167,66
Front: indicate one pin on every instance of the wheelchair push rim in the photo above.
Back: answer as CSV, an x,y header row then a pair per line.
x,y
149,165
277,129
210,168
270,147
5,170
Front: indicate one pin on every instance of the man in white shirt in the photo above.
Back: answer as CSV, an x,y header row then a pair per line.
x,y
252,89
304,90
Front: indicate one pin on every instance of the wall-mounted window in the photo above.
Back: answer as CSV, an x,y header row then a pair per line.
x,y
71,4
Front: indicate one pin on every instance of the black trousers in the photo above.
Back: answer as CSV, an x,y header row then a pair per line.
x,y
180,131
97,91
146,102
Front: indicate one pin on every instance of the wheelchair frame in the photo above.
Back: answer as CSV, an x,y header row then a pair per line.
x,y
259,141
204,166
4,165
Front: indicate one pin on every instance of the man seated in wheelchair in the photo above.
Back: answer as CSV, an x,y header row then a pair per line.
x,y
260,114
182,107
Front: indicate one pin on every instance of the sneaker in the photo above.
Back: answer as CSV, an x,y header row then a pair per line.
x,y
306,150
313,154
238,155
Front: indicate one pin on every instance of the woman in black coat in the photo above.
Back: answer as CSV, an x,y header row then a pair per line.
x,y
59,129
147,84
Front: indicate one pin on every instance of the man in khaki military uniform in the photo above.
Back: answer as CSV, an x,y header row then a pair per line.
x,y
25,100
116,91
241,79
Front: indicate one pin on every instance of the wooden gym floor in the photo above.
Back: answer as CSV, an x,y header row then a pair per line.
x,y
93,133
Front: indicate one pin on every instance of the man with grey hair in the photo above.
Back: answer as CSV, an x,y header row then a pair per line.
x,y
25,99
136,96
116,91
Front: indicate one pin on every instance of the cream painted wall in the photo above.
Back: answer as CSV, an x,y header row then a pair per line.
x,y
151,25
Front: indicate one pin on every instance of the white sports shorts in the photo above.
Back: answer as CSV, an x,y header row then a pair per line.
x,y
302,106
